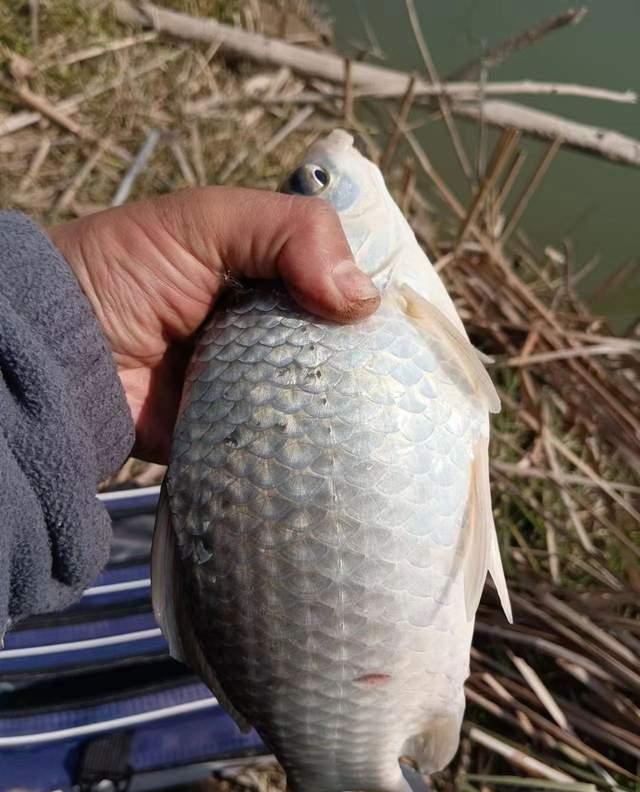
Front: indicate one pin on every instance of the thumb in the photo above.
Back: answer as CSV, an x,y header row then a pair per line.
x,y
259,234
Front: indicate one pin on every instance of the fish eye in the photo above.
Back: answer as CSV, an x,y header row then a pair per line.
x,y
321,176
309,179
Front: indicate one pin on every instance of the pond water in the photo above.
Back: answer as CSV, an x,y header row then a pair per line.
x,y
594,202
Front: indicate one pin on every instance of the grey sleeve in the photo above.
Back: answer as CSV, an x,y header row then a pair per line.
x,y
64,426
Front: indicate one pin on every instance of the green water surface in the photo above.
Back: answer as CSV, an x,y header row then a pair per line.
x,y
590,200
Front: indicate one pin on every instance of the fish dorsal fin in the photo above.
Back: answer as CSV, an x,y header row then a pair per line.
x,y
435,323
171,609
479,543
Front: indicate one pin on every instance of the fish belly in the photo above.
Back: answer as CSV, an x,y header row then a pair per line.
x,y
318,485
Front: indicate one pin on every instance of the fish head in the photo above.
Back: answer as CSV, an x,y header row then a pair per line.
x,y
334,170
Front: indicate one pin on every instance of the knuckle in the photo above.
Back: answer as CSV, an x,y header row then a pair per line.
x,y
317,213
318,224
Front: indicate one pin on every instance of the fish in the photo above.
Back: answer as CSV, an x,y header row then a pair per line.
x,y
325,525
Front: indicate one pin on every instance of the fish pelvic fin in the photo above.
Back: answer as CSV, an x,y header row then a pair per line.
x,y
480,540
171,609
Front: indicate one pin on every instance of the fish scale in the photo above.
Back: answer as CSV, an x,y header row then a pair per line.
x,y
338,594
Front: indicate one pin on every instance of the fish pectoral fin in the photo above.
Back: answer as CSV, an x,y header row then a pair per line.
x,y
434,323
171,610
434,748
165,577
479,539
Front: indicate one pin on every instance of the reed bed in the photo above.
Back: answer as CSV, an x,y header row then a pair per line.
x,y
104,102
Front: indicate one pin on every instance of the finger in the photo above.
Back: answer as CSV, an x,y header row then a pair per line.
x,y
258,234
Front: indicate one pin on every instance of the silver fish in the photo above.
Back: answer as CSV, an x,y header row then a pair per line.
x,y
325,527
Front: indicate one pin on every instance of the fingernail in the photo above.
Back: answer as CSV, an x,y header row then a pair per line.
x,y
353,283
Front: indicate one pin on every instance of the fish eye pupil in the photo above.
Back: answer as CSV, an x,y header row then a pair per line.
x,y
321,176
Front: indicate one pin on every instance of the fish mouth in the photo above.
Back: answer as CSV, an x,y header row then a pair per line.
x,y
339,140
335,143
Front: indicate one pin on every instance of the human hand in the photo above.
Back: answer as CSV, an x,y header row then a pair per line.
x,y
153,270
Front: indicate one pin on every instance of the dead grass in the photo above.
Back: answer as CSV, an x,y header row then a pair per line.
x,y
563,685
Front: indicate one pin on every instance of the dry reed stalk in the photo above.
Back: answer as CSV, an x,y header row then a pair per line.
x,y
137,166
39,157
407,187
477,92
442,100
591,473
275,83
518,758
21,120
521,783
43,106
429,170
463,92
398,126
196,153
505,49
483,136
586,625
547,126
330,67
34,11
572,352
541,691
68,196
284,132
572,511
530,189
504,149
183,163
96,51
615,280
512,174
348,94
579,751
565,455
